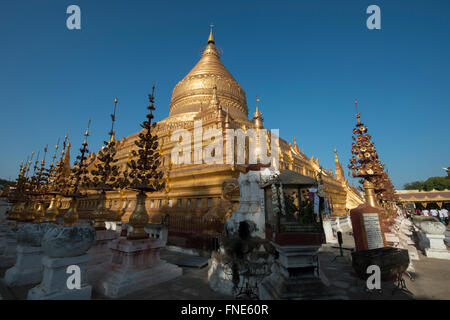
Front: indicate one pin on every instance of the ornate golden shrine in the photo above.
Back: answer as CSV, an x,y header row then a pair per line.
x,y
210,93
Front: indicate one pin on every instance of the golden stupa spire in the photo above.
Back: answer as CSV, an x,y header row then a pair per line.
x,y
257,117
211,36
192,91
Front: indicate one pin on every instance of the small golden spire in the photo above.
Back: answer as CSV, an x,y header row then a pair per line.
x,y
257,117
227,120
257,114
211,36
358,115
214,102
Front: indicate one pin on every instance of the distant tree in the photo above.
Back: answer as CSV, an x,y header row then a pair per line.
x,y
416,185
437,183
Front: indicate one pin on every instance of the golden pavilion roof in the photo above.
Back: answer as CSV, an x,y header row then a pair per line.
x,y
196,89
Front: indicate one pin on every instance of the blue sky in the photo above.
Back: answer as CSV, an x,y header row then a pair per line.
x,y
307,60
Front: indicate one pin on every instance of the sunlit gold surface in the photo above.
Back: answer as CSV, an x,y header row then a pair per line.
x,y
199,188
101,213
71,216
139,218
196,88
52,211
39,211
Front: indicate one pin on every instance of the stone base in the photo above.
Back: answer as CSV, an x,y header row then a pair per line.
x,y
135,265
296,275
329,235
220,277
100,254
118,284
413,254
54,282
437,254
28,268
434,246
9,252
84,293
279,286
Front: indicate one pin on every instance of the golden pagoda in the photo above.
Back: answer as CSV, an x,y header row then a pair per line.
x,y
210,94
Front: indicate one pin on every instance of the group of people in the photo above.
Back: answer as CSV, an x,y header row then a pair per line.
x,y
441,214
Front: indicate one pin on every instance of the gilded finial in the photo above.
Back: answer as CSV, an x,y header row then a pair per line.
x,y
211,36
358,114
257,113
257,117
86,134
113,119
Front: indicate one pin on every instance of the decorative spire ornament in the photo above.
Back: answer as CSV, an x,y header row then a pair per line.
x,y
17,196
257,117
211,36
364,162
144,174
105,175
78,179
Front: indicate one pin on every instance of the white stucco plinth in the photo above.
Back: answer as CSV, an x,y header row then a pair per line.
x,y
100,254
28,268
327,228
9,252
437,248
135,265
54,282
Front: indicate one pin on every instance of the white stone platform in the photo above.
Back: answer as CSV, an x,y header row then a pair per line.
x,y
28,268
54,283
135,265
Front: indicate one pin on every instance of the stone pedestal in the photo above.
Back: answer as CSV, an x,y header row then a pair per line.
x,y
335,225
431,238
158,231
367,225
100,254
329,236
220,275
437,248
54,283
135,265
8,251
63,247
28,268
296,275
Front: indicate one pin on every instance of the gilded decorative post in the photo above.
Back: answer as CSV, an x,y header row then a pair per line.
x,y
139,218
52,211
365,161
71,215
144,175
105,175
77,180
